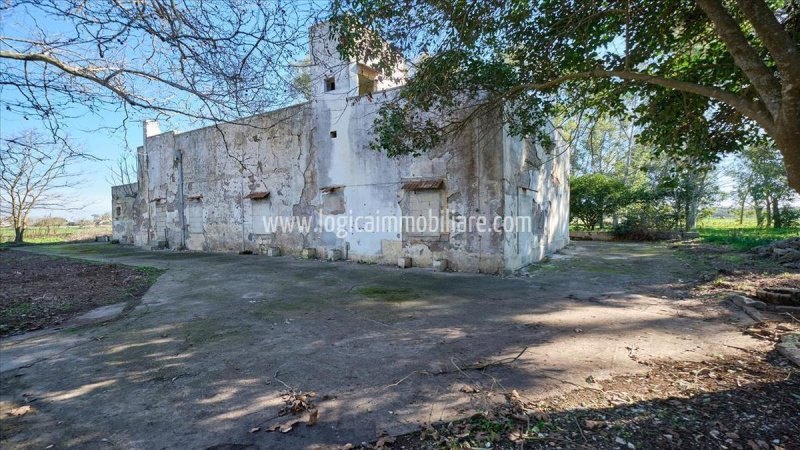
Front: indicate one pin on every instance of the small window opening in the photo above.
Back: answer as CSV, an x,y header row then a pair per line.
x,y
333,134
330,84
367,80
333,200
119,211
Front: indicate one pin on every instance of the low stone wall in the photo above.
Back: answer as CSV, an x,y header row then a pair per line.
x,y
592,236
609,236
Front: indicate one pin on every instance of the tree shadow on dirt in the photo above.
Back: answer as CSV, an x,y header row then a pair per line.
x,y
743,403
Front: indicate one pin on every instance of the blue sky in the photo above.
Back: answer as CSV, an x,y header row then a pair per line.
x,y
92,132
99,134
94,193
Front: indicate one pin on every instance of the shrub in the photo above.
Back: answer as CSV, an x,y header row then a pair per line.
x,y
51,222
594,196
646,220
790,217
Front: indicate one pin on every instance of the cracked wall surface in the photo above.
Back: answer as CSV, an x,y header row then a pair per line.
x,y
123,220
535,185
210,189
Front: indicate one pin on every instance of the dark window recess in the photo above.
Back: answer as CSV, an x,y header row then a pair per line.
x,y
367,80
119,211
333,134
330,84
366,85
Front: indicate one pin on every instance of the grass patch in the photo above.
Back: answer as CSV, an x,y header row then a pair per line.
x,y
48,235
745,238
388,294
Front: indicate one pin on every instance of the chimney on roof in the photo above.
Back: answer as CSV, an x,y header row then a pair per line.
x,y
151,128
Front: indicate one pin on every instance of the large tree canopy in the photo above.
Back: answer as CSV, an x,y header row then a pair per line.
x,y
713,74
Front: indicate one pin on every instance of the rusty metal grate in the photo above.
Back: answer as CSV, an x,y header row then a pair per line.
x,y
421,185
258,195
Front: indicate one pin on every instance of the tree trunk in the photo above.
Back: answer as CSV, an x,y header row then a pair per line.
x,y
691,215
776,214
18,234
697,186
759,210
741,213
787,135
768,211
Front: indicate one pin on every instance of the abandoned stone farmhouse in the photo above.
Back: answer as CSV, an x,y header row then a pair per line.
x,y
220,188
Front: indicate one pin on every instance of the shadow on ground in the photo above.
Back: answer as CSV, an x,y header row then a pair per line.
x,y
215,342
749,401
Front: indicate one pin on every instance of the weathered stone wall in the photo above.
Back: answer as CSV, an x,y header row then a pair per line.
x,y
536,185
123,221
209,189
470,166
222,165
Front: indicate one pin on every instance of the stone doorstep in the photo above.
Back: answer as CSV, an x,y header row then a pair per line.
x,y
334,254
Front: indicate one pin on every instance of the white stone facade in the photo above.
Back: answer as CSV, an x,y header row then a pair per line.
x,y
211,189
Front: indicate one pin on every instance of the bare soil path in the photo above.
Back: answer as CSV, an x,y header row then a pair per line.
x,y
206,358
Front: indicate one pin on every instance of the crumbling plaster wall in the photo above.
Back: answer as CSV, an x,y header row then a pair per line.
x,y
223,164
470,165
536,182
371,182
123,220
301,153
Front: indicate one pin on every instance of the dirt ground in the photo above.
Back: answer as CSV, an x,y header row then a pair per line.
x,y
42,291
726,272
747,402
237,351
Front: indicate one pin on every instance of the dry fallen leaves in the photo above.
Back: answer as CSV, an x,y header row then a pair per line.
x,y
313,417
310,419
297,403
284,427
384,441
592,424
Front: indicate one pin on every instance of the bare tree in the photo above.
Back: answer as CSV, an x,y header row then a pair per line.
x,y
213,61
34,171
123,173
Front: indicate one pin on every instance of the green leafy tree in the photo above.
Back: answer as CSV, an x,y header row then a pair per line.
x,y
760,175
594,196
717,71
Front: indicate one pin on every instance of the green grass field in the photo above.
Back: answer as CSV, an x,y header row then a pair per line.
x,y
742,236
46,235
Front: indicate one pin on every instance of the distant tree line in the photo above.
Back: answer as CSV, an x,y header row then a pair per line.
x,y
56,221
624,183
761,185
